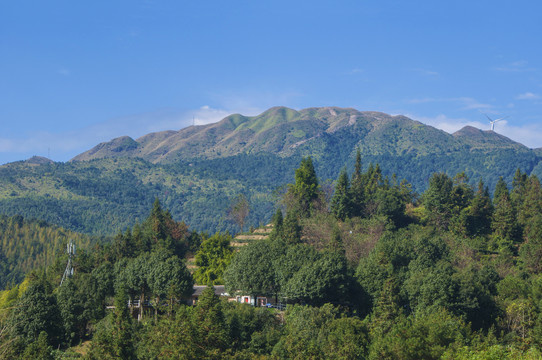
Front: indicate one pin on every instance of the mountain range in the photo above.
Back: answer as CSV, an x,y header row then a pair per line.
x,y
198,170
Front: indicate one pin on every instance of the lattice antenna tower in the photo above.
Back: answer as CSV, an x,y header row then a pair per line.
x,y
70,248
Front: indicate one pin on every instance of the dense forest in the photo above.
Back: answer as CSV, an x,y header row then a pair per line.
x,y
366,269
30,244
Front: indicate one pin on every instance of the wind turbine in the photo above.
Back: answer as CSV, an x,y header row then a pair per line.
x,y
492,122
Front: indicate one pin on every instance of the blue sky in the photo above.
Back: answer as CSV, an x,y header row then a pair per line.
x,y
76,73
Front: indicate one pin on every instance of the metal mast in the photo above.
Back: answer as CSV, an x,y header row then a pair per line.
x,y
69,268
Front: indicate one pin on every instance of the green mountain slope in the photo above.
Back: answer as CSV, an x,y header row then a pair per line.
x,y
197,171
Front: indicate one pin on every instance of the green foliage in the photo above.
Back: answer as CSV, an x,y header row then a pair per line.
x,y
29,244
251,269
37,311
437,200
424,277
212,259
291,229
357,188
305,190
426,336
40,349
318,282
239,210
114,337
321,333
340,202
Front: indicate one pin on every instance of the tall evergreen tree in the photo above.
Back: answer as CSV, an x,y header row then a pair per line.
x,y
438,201
304,192
519,184
500,190
123,328
480,212
504,223
531,205
291,230
357,188
340,202
278,223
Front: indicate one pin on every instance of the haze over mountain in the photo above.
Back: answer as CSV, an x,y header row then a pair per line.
x,y
197,171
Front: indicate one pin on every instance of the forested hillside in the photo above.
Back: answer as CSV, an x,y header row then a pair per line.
x,y
198,171
28,245
371,270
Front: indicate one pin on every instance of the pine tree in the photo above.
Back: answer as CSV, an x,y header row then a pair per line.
x,y
480,212
438,200
302,194
123,329
357,188
278,223
531,205
518,188
291,230
40,349
340,202
500,190
504,223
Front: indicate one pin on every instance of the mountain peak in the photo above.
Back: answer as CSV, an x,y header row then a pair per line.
x,y
39,160
123,144
478,138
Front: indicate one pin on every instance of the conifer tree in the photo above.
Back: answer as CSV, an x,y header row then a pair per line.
x,y
518,188
500,189
278,223
438,200
504,223
302,194
291,230
480,212
340,202
357,188
123,330
531,205
40,349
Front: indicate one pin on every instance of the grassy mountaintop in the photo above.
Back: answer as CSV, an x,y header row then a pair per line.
x,y
284,132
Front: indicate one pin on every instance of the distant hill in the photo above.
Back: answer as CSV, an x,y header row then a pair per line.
x,y
198,170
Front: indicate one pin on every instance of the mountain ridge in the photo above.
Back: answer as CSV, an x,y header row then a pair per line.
x,y
197,171
282,131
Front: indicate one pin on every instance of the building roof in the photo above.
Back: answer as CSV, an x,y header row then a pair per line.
x,y
220,290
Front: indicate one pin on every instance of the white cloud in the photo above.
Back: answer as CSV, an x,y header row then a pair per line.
x,y
528,96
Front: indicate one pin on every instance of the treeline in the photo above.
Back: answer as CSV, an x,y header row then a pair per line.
x,y
367,269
